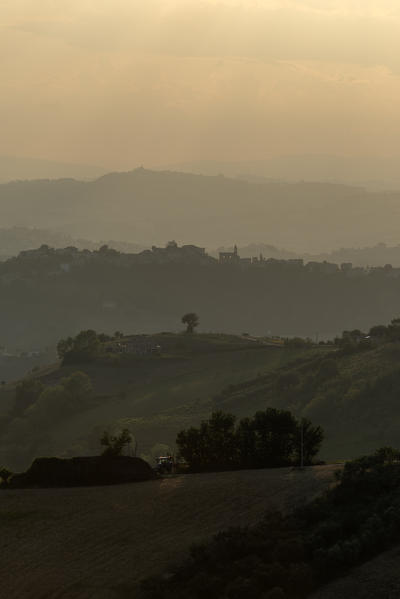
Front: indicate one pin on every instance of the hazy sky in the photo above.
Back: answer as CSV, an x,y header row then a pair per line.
x,y
126,82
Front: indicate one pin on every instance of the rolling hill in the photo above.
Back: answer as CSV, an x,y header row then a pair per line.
x,y
47,294
353,395
145,207
155,396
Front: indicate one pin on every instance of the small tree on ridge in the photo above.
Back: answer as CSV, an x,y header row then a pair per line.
x,y
191,320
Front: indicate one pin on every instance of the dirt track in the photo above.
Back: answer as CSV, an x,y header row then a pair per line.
x,y
86,543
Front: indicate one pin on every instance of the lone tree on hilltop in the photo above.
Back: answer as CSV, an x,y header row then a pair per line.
x,y
191,320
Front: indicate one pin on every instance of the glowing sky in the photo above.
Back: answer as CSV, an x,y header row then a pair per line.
x,y
126,82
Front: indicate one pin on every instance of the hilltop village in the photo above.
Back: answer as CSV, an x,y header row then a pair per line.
x,y
58,261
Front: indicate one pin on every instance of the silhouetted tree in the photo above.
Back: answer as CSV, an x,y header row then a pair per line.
x,y
271,438
312,440
114,444
191,320
275,432
213,445
246,442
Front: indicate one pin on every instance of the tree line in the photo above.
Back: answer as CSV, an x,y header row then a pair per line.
x,y
270,438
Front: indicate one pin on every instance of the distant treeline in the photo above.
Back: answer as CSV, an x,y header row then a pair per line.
x,y
47,295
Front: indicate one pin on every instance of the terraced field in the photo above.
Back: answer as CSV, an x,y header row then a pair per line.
x,y
98,542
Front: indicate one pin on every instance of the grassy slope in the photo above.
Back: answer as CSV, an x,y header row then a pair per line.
x,y
154,396
358,408
158,396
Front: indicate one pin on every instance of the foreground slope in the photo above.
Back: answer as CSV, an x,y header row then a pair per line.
x,y
97,543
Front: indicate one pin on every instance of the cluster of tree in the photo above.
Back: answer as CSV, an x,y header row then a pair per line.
x,y
36,411
114,444
271,438
355,340
287,557
85,347
391,332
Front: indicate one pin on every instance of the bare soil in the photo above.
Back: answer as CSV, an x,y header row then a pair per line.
x,y
98,542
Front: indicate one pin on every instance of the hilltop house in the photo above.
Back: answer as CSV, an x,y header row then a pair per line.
x,y
139,345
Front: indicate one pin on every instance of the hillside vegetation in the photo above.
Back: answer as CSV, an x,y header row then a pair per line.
x,y
352,394
349,389
155,396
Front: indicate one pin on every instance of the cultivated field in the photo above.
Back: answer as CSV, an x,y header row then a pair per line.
x,y
98,542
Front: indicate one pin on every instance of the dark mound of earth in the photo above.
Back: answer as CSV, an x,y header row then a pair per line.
x,y
82,471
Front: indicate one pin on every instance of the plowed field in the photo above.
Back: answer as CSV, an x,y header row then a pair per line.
x,y
92,543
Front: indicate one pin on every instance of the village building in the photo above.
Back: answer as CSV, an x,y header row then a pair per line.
x,y
229,257
139,345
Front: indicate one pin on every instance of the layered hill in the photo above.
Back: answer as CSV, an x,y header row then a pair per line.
x,y
145,206
352,394
155,396
50,293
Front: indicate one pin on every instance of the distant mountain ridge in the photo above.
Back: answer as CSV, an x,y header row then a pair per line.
x,y
143,205
14,168
372,172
